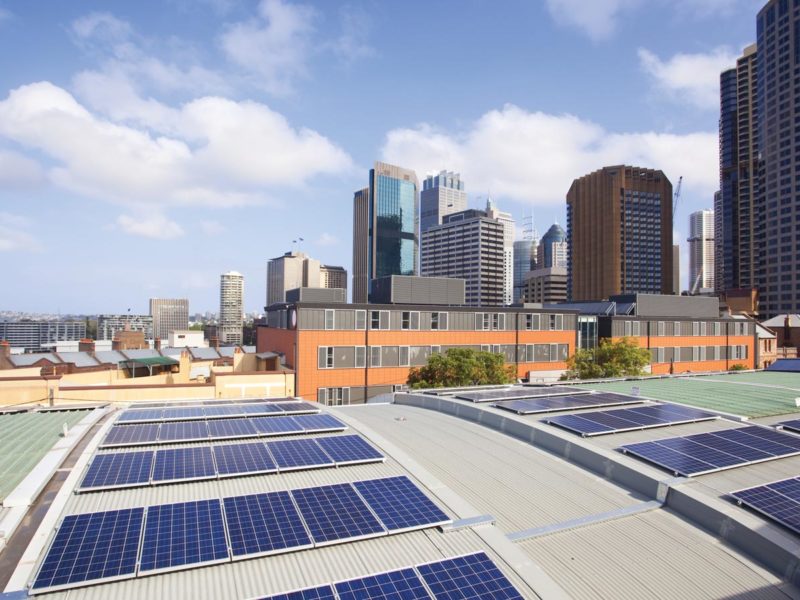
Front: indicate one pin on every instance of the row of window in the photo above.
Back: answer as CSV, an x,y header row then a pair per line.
x,y
683,328
410,321
698,353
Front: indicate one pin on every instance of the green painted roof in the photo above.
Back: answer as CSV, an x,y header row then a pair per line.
x,y
25,438
152,361
760,394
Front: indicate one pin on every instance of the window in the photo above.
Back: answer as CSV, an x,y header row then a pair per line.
x,y
325,357
695,353
330,319
436,349
379,319
361,319
361,357
660,328
495,320
374,356
435,321
676,326
409,320
717,328
439,321
695,329
486,348
659,355
495,349
333,396
556,322
403,356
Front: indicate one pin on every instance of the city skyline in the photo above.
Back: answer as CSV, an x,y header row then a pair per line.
x,y
165,165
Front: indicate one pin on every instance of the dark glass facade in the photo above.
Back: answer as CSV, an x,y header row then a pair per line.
x,y
395,221
727,237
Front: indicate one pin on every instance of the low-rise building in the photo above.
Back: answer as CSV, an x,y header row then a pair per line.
x,y
545,286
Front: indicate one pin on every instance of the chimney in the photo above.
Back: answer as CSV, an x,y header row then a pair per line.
x,y
5,349
214,342
86,345
158,344
787,331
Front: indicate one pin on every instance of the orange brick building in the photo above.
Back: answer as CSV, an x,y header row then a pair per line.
x,y
346,353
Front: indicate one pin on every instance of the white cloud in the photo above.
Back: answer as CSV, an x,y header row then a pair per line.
x,y
689,78
17,170
273,47
533,157
223,153
14,236
101,26
212,228
351,46
596,18
327,239
155,226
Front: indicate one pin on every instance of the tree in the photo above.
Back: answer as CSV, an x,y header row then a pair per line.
x,y
610,359
460,367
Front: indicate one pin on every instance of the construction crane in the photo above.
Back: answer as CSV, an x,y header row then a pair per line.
x,y
676,196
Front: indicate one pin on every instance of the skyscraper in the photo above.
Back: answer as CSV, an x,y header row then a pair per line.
x,y
719,256
524,261
701,251
552,251
508,248
169,314
296,269
736,232
778,91
385,220
441,195
619,233
231,308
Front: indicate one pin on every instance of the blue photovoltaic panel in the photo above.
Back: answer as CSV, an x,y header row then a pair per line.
x,y
276,425
92,547
119,469
264,524
183,534
334,513
261,409
399,504
552,404
221,412
231,428
519,392
780,501
183,414
298,454
183,431
627,419
315,423
706,452
404,584
236,459
184,463
467,578
324,592
144,415
131,435
344,449
297,408
793,425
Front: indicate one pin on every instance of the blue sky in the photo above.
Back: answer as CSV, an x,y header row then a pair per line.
x,y
147,147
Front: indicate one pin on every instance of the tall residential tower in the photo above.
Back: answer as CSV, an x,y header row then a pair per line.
x,y
231,307
701,251
441,195
169,314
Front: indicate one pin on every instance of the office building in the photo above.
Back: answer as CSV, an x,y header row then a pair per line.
x,y
507,221
524,262
295,270
108,325
545,286
552,250
468,245
169,314
737,228
676,268
39,335
385,220
619,233
701,251
719,256
441,195
231,308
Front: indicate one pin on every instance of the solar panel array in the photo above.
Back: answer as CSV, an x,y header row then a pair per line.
x,y
793,425
103,546
629,419
144,434
168,465
520,392
708,452
530,406
225,411
463,578
780,501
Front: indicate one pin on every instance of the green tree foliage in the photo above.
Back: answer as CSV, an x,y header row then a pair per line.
x,y
610,359
462,366
737,367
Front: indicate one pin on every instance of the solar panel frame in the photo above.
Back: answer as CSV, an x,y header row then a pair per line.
x,y
322,592
264,524
401,584
792,425
778,501
591,424
279,425
297,455
298,407
137,434
161,522
400,505
138,466
183,431
350,450
470,577
235,460
183,413
194,463
263,409
110,526
142,415
321,423
548,404
221,429
520,393
223,412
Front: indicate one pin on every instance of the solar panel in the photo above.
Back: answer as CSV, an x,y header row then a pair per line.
x,y
553,404
298,408
629,419
183,414
320,423
276,425
291,455
520,392
779,501
118,469
263,524
335,513
140,416
793,425
707,452
467,578
349,449
174,464
149,405
399,504
99,546
324,592
261,409
183,535
237,459
131,435
231,428
221,412
183,431
404,584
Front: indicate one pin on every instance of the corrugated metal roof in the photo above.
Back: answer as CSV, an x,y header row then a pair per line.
x,y
79,359
780,321
173,352
204,353
109,357
226,351
26,360
141,353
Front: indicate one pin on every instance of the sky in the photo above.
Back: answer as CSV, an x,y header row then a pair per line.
x,y
148,147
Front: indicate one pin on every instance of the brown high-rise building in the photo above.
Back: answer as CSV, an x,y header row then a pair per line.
x,y
619,233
